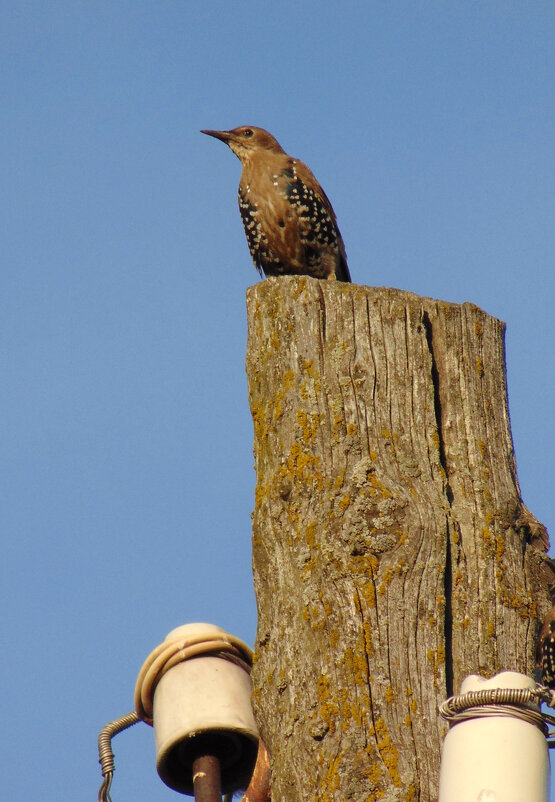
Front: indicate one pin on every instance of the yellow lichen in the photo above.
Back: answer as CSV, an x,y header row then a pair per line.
x,y
327,606
368,592
288,379
311,533
338,481
302,467
367,640
300,288
258,495
308,365
328,708
344,502
356,714
332,777
377,485
388,575
375,772
388,751
309,425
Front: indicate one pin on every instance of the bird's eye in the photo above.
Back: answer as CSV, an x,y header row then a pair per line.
x,y
248,132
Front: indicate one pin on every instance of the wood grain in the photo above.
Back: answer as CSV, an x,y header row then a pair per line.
x,y
392,553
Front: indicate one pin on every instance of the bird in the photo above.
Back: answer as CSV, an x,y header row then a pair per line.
x,y
546,650
290,225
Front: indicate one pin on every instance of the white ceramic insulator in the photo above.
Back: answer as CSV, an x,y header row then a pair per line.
x,y
497,758
204,696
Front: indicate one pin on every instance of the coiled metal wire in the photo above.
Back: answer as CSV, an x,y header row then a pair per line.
x,y
105,754
521,703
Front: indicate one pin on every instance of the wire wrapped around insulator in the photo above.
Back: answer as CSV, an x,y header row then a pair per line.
x,y
520,703
170,653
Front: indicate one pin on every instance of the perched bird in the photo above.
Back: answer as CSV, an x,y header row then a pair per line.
x,y
546,650
289,222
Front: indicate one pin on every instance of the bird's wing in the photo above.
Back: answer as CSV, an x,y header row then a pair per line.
x,y
249,217
322,210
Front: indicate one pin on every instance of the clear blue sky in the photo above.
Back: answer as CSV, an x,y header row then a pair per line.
x,y
127,471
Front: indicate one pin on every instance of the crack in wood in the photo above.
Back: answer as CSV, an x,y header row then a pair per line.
x,y
448,570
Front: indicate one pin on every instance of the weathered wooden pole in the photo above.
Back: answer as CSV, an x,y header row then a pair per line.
x,y
392,552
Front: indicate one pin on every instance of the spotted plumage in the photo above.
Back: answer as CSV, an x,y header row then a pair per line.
x,y
289,222
546,650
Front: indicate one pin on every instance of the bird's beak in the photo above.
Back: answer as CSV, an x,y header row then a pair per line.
x,y
225,136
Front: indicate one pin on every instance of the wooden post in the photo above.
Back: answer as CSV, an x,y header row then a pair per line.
x,y
392,552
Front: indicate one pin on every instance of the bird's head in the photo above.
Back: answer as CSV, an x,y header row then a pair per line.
x,y
247,140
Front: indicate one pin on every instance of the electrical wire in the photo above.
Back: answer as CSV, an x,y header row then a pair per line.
x,y
521,703
105,754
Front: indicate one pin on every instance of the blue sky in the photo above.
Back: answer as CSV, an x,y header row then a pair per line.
x,y
127,473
